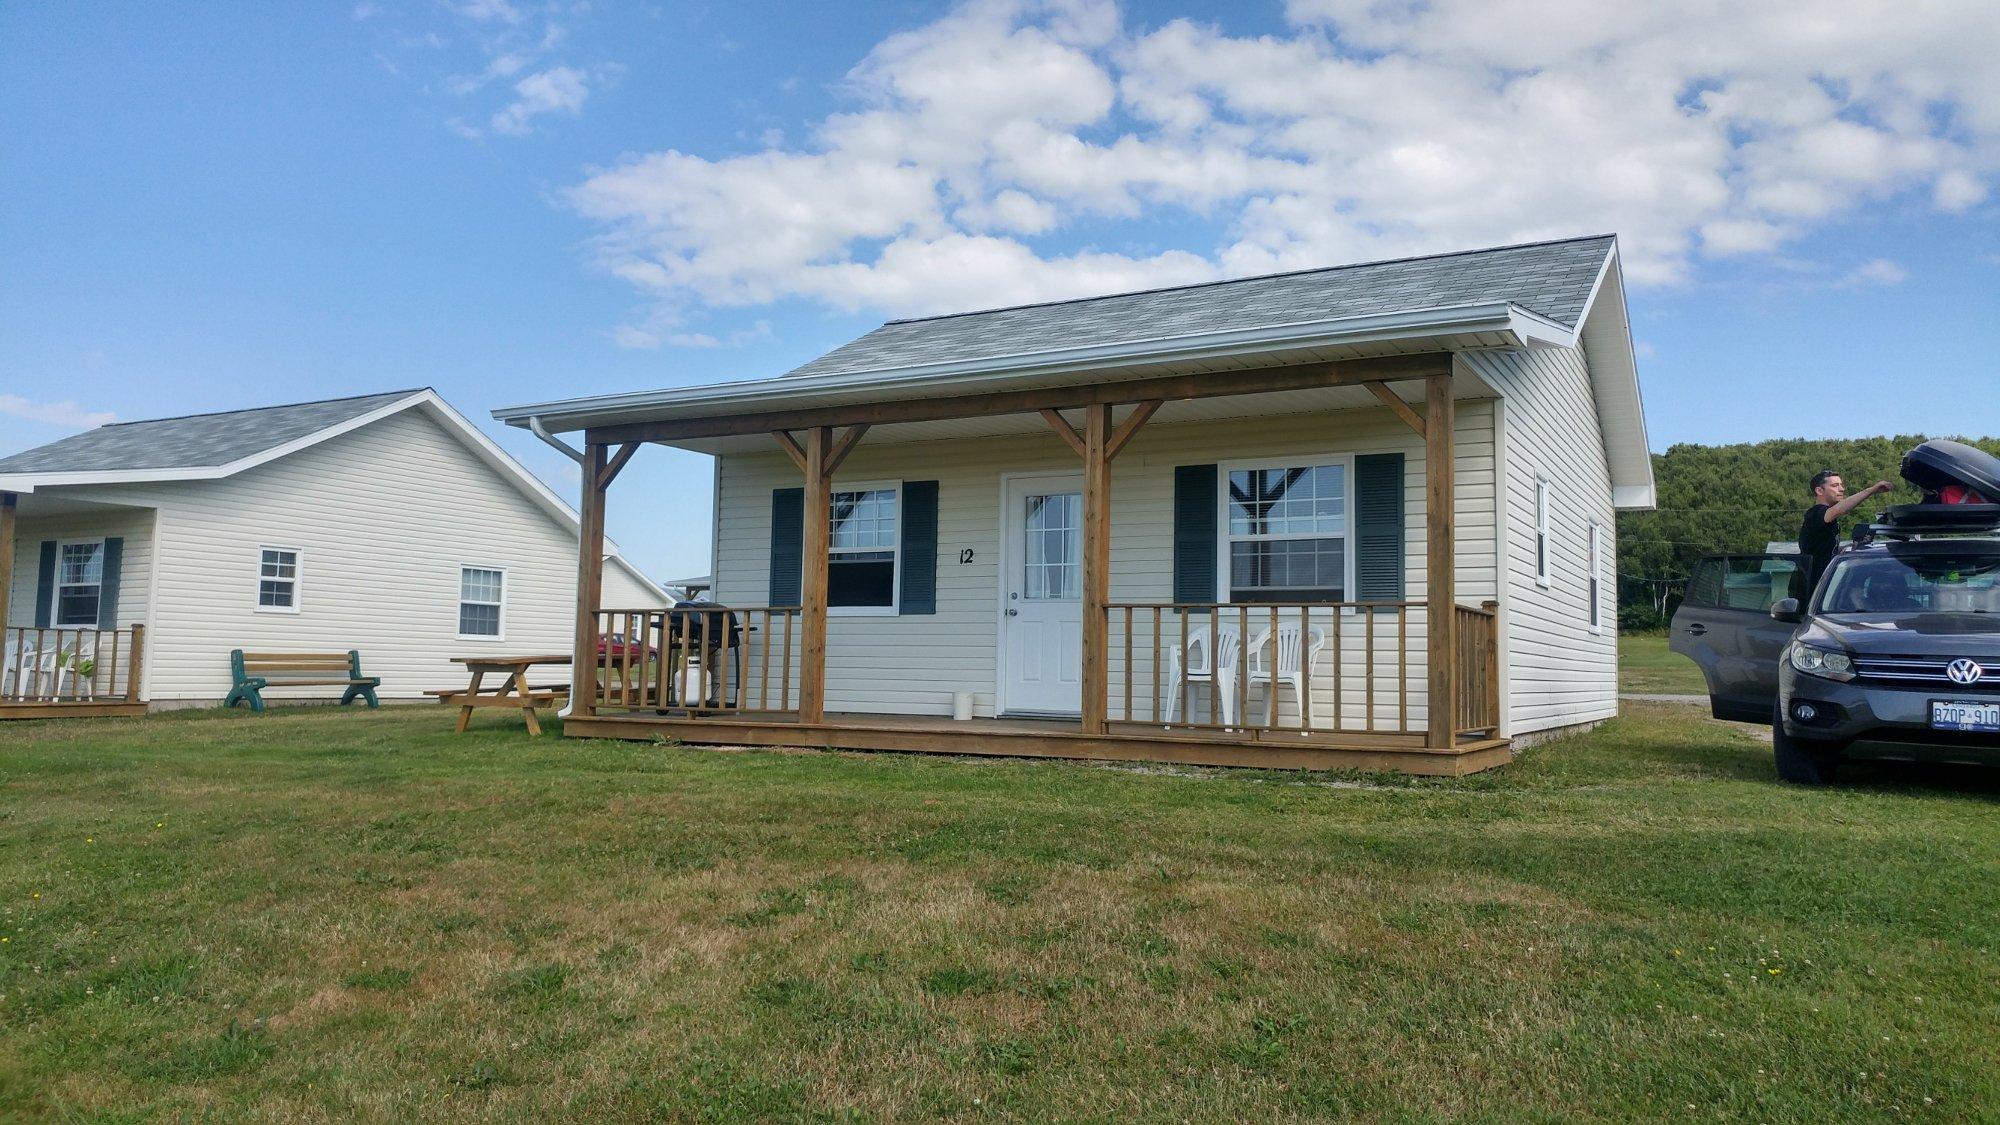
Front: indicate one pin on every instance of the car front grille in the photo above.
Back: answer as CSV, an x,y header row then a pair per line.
x,y
1924,671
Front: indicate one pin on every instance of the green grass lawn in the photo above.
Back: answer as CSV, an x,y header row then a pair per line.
x,y
321,915
1646,667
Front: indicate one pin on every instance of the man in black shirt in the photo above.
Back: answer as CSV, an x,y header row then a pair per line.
x,y
1819,534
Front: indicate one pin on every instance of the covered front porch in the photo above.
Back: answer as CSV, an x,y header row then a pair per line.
x,y
63,653
1407,684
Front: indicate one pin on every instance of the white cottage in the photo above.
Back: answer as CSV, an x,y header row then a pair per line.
x,y
1350,516
385,524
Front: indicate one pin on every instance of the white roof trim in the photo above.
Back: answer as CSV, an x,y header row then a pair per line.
x,y
971,376
436,407
1621,407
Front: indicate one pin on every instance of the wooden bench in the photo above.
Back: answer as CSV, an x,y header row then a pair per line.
x,y
255,671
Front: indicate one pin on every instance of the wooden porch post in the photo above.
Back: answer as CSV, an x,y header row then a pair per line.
x,y
1440,595
8,500
589,584
812,587
1096,567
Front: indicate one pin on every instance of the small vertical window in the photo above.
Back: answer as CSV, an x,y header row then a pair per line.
x,y
481,593
1542,568
1596,577
278,579
79,582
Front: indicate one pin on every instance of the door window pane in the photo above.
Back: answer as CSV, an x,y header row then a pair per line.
x,y
1052,545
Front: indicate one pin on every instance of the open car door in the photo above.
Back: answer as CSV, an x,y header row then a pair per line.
x,y
1724,625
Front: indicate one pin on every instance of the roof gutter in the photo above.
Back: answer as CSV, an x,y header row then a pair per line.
x,y
972,376
536,428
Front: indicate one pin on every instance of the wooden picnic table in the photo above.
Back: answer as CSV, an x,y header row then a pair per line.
x,y
514,692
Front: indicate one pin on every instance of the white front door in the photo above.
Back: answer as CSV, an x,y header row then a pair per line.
x,y
1041,630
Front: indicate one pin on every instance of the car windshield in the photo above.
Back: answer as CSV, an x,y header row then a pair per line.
x,y
1913,583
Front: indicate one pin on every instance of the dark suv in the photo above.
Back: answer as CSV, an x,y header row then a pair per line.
x,y
1895,655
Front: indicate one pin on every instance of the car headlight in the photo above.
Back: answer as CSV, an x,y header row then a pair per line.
x,y
1821,662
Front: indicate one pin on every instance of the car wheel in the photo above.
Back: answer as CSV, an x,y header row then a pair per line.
x,y
1799,762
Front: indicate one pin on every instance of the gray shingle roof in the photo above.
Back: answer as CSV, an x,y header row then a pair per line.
x,y
195,441
1553,279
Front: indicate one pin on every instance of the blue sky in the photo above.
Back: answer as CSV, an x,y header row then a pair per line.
x,y
215,206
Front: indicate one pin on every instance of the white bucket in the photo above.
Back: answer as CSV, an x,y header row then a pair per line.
x,y
961,706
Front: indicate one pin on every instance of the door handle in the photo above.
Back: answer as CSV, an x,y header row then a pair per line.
x,y
1012,612
1697,629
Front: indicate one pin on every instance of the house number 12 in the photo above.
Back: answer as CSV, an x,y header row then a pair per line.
x,y
965,556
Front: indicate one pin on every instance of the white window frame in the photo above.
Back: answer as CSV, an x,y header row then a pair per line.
x,y
298,580
895,606
55,604
1594,585
1545,555
1347,537
458,602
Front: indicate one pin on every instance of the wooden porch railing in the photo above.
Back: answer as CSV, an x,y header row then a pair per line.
x,y
699,660
71,665
1324,668
1342,667
1477,640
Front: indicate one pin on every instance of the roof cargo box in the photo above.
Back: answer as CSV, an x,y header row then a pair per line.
x,y
1945,469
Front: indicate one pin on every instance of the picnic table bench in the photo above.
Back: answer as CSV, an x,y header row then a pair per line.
x,y
252,672
514,693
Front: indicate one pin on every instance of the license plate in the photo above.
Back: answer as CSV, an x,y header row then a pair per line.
x,y
1949,715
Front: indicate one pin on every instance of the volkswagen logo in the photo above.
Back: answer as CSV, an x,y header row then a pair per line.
x,y
1963,671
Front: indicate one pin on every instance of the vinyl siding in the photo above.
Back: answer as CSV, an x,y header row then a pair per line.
x,y
1559,671
383,517
913,664
135,525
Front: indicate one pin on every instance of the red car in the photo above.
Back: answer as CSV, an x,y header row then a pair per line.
x,y
617,646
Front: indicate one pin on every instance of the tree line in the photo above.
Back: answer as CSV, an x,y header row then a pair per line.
x,y
1738,498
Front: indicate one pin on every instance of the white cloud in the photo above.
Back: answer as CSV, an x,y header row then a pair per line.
x,y
489,11
559,89
1696,129
66,414
1879,271
658,332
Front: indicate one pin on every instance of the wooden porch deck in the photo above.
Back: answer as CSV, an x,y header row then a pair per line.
x,y
1060,738
70,709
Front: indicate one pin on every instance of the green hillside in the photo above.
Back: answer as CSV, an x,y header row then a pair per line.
x,y
1738,498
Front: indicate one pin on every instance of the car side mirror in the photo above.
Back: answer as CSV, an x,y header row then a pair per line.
x,y
1787,609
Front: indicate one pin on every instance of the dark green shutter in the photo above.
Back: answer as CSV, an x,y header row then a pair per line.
x,y
920,545
45,590
1378,527
1194,533
107,594
788,530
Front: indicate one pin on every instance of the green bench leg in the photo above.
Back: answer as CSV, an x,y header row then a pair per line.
x,y
245,693
365,692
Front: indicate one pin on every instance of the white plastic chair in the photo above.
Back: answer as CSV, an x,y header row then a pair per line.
x,y
1194,666
66,661
1295,661
31,678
